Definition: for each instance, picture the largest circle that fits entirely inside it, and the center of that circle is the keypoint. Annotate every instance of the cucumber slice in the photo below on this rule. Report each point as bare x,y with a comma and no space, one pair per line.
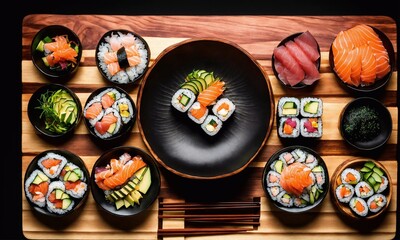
365,169
199,85
369,165
378,171
191,87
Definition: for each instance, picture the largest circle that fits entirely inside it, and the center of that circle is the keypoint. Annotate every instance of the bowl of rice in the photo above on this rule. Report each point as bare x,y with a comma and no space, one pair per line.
122,56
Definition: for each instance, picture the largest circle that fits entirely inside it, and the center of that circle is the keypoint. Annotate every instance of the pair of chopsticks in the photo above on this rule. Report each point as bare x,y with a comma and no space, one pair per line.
209,218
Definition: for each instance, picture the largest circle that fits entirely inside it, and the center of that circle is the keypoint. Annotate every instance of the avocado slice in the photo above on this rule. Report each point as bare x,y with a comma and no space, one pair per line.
40,46
144,185
311,107
66,202
119,203
288,105
73,177
278,166
59,193
130,200
140,173
112,127
317,169
37,180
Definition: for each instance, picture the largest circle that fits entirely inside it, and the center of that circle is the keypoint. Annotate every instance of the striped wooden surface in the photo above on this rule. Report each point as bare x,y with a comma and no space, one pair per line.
256,34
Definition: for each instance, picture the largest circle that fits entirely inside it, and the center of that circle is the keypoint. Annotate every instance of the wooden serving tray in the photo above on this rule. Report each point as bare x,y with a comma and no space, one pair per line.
256,34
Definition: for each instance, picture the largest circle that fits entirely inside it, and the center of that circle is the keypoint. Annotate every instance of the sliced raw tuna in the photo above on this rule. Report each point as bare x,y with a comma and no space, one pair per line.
306,64
308,44
291,70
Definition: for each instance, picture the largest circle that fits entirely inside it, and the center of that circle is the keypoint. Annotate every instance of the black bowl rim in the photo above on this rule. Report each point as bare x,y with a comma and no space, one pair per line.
377,86
157,175
321,162
130,123
299,85
81,164
125,31
78,58
272,105
366,100
33,120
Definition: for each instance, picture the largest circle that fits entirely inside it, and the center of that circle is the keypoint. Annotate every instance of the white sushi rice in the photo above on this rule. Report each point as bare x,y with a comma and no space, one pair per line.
124,75
196,105
282,102
285,199
380,204
274,192
363,194
78,191
50,206
275,174
118,126
223,114
306,100
311,161
305,133
98,117
124,100
347,198
354,172
353,206
287,158
175,101
209,128
299,155
57,169
41,202
296,130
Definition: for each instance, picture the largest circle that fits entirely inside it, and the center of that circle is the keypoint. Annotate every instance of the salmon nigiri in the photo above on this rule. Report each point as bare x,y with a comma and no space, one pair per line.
208,96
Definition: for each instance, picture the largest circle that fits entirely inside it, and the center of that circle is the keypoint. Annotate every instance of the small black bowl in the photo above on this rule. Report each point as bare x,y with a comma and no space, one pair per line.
301,84
324,186
71,158
51,32
148,198
38,120
136,72
378,86
125,127
384,118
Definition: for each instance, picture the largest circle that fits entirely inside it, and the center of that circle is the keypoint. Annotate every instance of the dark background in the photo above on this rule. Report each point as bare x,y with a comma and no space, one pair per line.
11,180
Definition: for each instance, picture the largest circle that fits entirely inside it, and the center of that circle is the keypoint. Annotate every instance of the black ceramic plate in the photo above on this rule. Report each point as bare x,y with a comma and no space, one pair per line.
378,85
321,163
385,121
287,39
147,199
125,127
52,31
34,113
71,157
178,143
141,70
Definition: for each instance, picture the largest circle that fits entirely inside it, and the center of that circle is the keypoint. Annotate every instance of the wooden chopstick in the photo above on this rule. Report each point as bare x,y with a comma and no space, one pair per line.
182,208
180,204
199,231
210,216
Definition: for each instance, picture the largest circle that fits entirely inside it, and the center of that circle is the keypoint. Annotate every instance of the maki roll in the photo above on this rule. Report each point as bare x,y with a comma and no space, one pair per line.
183,99
36,187
211,125
289,127
344,192
278,165
288,107
311,107
273,179
350,176
58,201
93,111
363,190
74,180
359,206
311,161
108,97
383,185
52,164
287,157
197,113
285,199
311,127
274,192
125,108
376,202
224,108
109,124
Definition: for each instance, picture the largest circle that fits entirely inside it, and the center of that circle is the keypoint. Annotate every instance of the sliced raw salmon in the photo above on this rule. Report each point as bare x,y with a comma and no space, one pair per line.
93,111
107,101
103,125
295,177
50,162
368,65
210,94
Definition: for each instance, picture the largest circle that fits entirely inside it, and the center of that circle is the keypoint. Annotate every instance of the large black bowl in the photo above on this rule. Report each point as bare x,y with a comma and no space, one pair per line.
294,209
38,121
179,144
148,198
52,31
385,122
71,157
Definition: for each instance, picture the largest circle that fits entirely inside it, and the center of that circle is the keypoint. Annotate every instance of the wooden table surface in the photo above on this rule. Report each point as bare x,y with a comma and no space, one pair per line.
256,34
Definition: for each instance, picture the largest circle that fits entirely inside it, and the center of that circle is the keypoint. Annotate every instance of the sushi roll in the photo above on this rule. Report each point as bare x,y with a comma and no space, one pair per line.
109,125
36,187
183,99
197,113
319,175
93,111
311,107
350,176
109,96
359,206
311,161
299,202
125,108
278,165
273,179
383,185
285,199
57,200
52,164
363,190
344,192
74,180
376,202
274,192
287,157
298,155
289,127
311,127
223,109
211,125
288,107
